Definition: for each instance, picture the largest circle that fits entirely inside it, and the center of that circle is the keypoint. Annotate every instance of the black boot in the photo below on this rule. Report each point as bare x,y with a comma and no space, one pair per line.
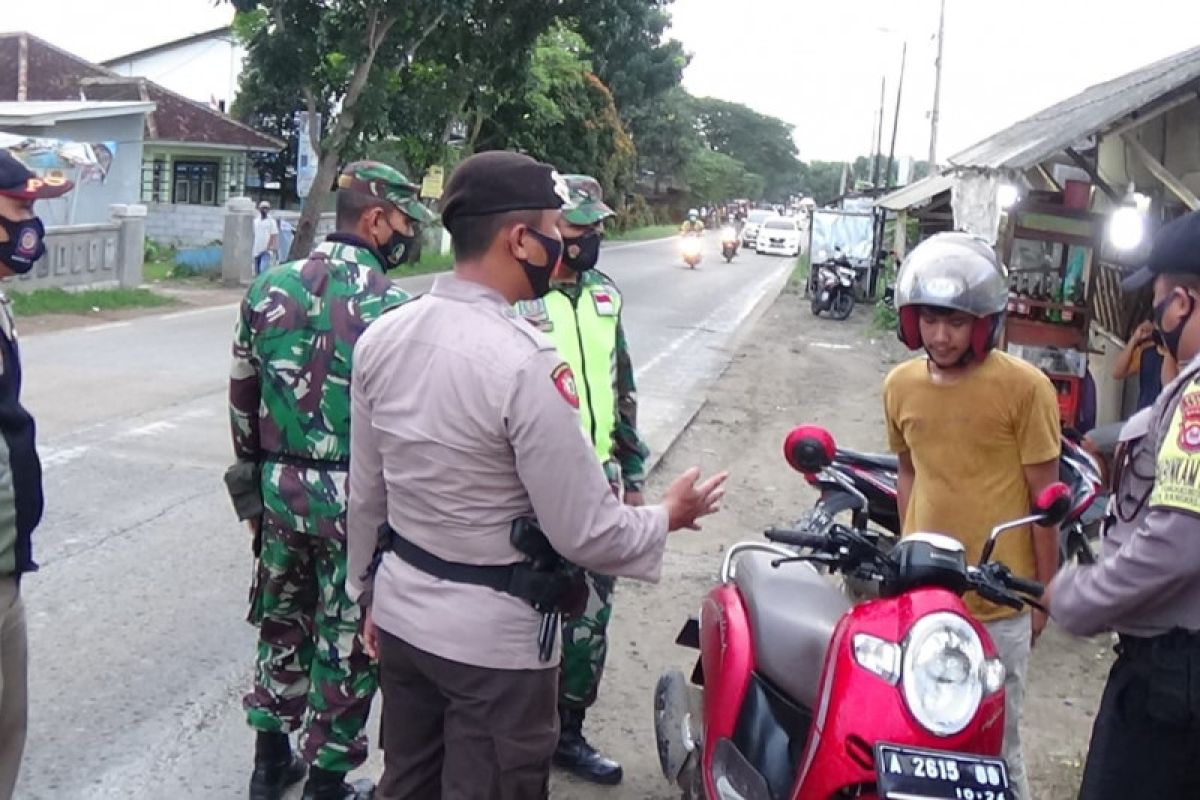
575,755
275,768
325,784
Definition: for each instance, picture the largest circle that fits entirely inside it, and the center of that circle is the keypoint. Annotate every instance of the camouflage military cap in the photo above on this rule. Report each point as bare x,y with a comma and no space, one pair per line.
380,180
587,201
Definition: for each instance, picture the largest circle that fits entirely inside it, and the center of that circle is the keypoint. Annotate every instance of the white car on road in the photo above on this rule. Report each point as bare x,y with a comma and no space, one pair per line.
753,220
780,236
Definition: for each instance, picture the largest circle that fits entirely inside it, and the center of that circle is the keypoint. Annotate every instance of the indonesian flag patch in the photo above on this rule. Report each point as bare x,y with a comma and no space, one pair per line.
605,306
564,381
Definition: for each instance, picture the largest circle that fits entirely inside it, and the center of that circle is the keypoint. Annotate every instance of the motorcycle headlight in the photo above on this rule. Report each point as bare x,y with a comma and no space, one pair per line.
943,673
728,234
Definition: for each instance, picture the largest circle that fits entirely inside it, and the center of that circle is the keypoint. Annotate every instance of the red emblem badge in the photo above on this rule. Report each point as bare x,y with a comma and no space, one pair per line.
1189,430
564,381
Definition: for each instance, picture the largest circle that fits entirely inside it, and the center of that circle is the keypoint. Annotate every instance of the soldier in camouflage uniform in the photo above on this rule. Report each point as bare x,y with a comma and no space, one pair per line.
582,314
289,400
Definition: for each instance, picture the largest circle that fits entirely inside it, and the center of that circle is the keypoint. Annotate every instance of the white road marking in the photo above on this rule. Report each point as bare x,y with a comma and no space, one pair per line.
608,248
51,457
830,346
731,312
146,430
104,326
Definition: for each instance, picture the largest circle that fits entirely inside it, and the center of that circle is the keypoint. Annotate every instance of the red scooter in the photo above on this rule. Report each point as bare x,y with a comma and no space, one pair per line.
798,695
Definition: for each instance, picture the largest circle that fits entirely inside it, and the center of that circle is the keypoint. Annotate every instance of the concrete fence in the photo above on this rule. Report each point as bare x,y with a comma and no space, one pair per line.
237,239
105,255
183,225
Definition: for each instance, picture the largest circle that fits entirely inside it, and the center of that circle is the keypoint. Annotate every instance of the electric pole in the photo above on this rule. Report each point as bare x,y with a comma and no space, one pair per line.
887,176
877,150
937,91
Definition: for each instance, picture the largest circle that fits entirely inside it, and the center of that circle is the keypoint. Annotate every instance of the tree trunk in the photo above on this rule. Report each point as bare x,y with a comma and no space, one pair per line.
306,228
340,133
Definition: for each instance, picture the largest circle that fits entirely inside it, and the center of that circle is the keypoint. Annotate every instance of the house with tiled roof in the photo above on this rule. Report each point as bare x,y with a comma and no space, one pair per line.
194,157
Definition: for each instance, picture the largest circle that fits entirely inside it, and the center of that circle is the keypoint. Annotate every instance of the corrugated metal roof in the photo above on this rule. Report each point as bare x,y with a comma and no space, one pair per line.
916,194
1050,131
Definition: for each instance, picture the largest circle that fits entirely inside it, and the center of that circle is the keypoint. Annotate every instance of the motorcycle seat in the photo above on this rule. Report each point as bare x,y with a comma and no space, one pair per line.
869,460
793,611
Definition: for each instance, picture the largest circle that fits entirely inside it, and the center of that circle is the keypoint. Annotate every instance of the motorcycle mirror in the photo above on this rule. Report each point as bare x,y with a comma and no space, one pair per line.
809,449
1050,508
1053,504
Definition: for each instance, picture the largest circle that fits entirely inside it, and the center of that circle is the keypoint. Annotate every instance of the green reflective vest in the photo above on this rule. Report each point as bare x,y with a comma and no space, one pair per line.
584,330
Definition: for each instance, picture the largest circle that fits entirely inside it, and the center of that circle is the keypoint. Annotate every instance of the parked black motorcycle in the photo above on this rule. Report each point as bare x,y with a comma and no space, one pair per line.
833,287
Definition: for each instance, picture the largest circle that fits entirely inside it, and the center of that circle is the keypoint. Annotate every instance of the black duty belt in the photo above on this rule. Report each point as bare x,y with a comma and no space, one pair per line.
493,576
305,462
548,587
1178,639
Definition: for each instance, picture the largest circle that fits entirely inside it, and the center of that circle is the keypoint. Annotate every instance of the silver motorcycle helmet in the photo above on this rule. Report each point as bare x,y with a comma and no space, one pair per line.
955,271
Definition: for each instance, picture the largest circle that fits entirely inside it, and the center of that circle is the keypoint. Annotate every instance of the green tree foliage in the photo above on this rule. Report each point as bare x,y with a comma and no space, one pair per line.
761,142
567,116
338,58
714,177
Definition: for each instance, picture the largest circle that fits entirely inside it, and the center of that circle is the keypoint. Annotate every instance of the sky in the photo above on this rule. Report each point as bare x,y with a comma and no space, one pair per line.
814,63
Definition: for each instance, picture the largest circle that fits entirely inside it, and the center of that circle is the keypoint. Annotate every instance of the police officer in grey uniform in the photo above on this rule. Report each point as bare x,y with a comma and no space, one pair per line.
1146,587
465,435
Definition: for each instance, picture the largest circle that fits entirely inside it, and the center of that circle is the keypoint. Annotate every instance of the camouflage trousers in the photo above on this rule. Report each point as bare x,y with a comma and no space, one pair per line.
312,673
585,645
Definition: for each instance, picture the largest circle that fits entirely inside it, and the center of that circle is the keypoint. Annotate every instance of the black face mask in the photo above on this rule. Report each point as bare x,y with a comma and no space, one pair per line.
586,251
397,250
1170,339
25,244
539,275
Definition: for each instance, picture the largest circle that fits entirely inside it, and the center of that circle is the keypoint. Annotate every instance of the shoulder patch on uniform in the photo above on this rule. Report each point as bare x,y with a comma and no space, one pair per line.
1188,412
564,382
1177,472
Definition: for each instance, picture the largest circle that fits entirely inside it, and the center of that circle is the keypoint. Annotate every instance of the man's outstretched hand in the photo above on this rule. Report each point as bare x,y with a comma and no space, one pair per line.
688,501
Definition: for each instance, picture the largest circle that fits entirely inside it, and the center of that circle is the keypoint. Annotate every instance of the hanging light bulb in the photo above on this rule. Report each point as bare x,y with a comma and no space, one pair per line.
1127,225
1007,195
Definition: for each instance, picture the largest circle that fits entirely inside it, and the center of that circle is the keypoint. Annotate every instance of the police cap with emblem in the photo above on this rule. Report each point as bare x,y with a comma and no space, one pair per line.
499,181
17,181
1176,250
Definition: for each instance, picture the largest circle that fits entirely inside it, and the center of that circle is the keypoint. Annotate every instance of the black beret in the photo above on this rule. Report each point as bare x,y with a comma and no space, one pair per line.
1176,250
498,181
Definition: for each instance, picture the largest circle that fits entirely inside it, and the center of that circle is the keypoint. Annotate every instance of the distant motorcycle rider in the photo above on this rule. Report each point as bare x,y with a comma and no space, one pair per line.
692,224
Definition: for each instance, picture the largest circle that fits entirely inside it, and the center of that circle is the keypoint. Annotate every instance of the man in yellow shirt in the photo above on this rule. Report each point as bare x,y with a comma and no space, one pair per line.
977,434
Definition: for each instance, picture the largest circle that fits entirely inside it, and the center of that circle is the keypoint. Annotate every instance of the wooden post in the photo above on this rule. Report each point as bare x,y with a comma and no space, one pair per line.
1164,175
900,242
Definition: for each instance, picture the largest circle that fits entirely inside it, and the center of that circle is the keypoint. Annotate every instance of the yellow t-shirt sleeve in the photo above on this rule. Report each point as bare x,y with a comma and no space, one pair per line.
1177,471
895,435
1039,431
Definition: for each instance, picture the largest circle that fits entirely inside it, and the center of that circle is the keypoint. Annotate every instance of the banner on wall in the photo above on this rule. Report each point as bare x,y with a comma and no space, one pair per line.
89,161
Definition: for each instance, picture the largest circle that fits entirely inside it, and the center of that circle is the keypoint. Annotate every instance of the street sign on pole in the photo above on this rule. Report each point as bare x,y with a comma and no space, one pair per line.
306,156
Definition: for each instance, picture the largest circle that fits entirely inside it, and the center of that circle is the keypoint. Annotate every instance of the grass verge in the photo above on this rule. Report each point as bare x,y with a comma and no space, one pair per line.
430,262
57,301
642,234
799,275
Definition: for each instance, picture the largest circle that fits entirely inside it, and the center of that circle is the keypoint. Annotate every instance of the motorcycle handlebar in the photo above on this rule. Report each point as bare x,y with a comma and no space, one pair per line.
999,596
798,538
1028,587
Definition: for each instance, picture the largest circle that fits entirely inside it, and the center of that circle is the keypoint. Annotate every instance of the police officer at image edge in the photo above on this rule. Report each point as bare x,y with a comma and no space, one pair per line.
463,427
1146,585
21,491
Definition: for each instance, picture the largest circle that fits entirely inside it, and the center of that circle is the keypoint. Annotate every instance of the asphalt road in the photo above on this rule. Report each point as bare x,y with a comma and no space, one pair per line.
138,649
